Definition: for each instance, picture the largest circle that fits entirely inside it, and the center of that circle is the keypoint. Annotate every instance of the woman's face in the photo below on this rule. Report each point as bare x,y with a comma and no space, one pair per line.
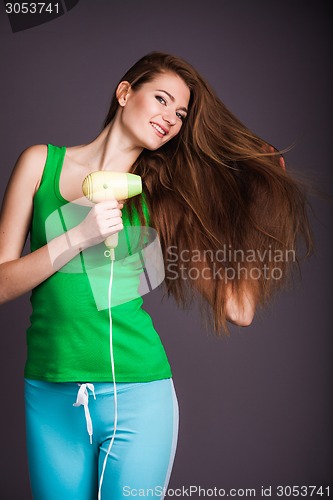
154,114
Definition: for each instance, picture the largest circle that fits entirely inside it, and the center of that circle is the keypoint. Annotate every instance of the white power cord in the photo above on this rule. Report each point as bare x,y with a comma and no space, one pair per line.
112,257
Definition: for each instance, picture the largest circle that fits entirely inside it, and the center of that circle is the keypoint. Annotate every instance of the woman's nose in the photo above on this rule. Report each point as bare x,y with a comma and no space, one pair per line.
169,117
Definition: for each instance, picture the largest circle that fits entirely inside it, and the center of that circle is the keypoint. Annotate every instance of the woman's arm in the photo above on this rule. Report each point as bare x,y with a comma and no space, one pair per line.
239,307
19,275
240,310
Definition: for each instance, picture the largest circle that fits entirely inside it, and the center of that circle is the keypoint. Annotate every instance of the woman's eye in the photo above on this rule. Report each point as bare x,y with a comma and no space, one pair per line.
160,99
164,102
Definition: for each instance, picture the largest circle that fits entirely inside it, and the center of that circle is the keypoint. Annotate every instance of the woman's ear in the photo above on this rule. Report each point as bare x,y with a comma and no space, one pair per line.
122,92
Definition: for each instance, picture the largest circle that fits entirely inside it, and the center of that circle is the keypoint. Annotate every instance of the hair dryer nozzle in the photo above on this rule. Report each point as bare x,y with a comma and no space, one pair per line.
134,184
105,185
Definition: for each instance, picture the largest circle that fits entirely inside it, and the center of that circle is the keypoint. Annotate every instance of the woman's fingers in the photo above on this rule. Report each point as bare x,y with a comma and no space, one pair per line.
282,163
268,148
103,220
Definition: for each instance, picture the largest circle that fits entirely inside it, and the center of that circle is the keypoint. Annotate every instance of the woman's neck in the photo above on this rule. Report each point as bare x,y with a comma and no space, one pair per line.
111,150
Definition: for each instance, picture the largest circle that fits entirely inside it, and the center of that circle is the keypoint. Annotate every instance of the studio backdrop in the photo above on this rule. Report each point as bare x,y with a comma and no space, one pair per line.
255,407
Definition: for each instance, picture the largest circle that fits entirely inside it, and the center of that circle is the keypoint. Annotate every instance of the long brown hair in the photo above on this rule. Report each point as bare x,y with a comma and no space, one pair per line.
223,206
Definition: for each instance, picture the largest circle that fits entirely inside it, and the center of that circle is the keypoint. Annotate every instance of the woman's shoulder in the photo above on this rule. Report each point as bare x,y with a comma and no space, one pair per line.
35,154
30,164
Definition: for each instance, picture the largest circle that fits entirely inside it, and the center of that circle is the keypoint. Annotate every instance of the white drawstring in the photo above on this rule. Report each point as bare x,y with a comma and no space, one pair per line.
83,399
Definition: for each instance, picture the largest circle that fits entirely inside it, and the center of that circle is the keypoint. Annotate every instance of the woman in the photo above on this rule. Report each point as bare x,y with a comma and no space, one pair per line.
209,184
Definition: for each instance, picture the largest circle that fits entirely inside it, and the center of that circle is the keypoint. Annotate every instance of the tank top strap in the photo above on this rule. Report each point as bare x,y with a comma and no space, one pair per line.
52,169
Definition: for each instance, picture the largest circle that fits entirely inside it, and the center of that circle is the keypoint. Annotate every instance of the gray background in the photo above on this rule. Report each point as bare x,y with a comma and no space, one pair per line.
256,408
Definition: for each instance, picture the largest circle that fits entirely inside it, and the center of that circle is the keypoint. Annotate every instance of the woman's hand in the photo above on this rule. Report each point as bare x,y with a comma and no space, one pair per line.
103,220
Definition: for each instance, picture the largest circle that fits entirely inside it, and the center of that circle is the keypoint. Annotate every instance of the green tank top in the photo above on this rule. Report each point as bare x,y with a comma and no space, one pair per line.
68,339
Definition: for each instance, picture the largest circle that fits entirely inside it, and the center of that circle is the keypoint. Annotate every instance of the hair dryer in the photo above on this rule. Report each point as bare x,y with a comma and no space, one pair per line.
105,185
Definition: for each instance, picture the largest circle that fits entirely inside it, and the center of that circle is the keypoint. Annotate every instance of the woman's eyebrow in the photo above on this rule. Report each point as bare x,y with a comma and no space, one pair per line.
171,97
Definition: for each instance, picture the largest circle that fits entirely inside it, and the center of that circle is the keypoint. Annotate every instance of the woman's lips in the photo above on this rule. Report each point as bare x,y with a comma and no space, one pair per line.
161,131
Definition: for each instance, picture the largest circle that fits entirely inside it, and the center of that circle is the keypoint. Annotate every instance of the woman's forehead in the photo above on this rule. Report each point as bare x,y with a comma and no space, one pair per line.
170,83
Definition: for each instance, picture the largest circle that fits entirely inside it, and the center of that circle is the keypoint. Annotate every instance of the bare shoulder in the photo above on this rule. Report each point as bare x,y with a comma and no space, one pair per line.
30,165
34,156
17,204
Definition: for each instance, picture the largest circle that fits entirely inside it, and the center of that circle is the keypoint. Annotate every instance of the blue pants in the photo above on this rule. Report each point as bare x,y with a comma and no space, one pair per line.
64,465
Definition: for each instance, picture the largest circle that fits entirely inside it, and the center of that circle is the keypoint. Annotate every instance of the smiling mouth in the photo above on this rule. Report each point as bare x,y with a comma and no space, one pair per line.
162,132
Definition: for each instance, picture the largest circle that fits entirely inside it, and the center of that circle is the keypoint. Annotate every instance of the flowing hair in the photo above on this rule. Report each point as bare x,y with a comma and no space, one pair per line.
225,209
